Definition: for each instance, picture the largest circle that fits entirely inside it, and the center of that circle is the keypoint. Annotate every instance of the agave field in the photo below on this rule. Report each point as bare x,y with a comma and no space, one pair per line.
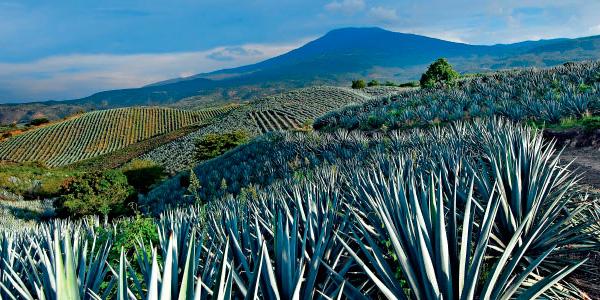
97,133
274,113
483,209
541,95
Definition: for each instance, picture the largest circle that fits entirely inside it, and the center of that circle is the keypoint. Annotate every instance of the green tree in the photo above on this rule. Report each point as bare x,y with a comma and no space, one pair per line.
373,83
213,145
94,193
439,73
358,84
38,122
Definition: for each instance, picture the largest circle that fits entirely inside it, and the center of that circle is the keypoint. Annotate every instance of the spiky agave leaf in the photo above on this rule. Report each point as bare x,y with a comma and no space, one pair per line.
410,214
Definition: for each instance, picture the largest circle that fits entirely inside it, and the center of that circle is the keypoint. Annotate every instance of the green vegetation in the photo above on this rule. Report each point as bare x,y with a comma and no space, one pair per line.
474,204
129,232
439,73
95,193
31,180
373,83
38,122
275,113
119,157
541,96
213,145
96,133
591,124
410,84
587,123
142,174
359,84
411,200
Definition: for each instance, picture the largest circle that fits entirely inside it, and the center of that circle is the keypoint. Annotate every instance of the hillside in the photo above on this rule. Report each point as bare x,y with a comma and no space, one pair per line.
96,133
334,59
460,193
275,113
541,97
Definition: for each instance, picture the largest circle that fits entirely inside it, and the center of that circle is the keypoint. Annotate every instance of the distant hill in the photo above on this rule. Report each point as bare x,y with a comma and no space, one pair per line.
334,59
98,132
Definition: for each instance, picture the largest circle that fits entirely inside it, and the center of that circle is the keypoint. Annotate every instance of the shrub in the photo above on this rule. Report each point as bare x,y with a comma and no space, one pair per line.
128,231
410,84
358,84
373,83
439,73
389,83
213,145
6,135
142,174
94,193
591,124
38,122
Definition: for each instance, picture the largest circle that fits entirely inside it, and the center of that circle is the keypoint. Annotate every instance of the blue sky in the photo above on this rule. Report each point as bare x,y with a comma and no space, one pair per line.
66,49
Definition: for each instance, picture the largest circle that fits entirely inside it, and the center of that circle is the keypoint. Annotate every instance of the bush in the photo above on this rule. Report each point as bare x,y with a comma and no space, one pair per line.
439,73
213,145
128,231
373,83
38,122
142,174
358,84
6,135
410,84
389,83
591,124
94,193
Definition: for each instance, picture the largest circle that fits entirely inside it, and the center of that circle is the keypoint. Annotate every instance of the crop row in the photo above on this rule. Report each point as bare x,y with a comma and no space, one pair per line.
274,113
537,95
472,211
96,133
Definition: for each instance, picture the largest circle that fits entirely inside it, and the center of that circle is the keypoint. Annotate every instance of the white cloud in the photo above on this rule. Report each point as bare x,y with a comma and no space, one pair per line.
383,15
346,7
594,30
79,75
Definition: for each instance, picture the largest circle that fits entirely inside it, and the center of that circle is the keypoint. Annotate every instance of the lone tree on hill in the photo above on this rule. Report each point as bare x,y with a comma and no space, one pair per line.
441,73
358,84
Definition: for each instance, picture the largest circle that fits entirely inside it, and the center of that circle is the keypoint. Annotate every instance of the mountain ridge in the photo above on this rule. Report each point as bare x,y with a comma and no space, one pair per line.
333,59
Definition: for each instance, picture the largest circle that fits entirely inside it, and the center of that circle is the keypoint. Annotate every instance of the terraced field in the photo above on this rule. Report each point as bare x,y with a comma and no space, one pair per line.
274,113
97,133
271,120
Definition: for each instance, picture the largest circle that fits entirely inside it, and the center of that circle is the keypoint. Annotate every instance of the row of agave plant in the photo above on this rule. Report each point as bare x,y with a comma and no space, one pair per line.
540,95
475,211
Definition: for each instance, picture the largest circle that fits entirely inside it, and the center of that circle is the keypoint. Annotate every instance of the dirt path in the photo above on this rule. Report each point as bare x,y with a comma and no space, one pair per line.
586,161
583,150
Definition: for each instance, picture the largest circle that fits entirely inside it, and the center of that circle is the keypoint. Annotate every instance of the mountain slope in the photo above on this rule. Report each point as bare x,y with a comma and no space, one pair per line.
334,59
96,133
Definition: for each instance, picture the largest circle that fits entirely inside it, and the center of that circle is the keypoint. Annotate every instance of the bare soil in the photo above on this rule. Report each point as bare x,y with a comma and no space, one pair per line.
582,150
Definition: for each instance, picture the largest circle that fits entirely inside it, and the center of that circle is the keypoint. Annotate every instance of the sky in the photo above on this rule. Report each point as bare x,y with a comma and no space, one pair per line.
67,49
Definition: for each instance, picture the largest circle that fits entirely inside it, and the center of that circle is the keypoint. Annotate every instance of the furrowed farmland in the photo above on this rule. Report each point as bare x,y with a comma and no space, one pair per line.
97,133
290,110
452,191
